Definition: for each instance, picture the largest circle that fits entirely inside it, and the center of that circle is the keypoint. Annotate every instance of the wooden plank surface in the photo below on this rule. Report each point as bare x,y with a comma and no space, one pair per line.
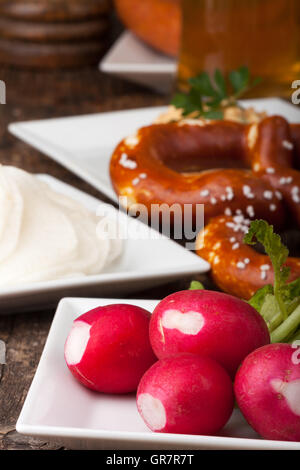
33,95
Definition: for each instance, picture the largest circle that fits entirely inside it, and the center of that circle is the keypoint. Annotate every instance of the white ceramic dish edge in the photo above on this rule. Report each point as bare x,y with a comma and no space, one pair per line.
90,438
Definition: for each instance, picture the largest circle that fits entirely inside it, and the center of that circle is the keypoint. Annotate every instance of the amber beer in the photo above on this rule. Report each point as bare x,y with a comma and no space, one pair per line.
262,34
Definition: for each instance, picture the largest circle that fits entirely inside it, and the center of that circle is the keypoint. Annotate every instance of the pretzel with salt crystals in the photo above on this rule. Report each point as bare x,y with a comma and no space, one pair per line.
237,268
257,178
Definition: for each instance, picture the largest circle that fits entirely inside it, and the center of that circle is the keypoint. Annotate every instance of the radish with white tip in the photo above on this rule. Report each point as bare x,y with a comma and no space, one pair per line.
108,348
185,394
267,389
208,323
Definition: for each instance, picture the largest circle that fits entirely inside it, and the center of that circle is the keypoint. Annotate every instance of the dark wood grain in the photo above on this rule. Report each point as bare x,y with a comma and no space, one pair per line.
53,10
32,95
35,31
53,34
51,55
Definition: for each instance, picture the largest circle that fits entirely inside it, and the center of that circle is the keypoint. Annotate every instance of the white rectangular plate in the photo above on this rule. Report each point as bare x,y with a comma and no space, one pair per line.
84,144
133,60
147,261
59,409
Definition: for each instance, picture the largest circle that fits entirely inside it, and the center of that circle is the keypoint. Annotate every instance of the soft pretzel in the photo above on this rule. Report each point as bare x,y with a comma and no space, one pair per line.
236,268
258,179
160,164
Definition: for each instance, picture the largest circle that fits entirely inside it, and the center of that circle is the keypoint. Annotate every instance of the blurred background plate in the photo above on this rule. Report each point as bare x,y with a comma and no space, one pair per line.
133,60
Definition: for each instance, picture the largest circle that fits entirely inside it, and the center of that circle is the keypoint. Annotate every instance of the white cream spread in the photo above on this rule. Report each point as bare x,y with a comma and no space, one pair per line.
45,235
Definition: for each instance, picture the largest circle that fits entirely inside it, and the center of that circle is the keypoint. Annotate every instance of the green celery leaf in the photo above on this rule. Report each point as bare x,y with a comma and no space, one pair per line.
276,250
281,311
196,285
286,328
271,312
291,290
295,337
258,298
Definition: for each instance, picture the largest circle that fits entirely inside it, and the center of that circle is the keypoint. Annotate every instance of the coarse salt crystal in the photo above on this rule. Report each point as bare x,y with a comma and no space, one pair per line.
268,194
135,181
126,162
263,275
247,192
296,198
287,145
265,267
286,180
250,211
240,265
238,212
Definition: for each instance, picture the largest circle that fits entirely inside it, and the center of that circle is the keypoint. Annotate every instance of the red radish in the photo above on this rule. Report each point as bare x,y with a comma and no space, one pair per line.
108,348
267,389
207,323
185,394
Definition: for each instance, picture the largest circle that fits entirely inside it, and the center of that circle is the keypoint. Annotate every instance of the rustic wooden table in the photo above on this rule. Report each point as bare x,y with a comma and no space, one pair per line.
38,95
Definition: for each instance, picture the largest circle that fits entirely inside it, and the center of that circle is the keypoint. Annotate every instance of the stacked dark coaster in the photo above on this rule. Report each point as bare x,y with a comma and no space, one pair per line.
53,33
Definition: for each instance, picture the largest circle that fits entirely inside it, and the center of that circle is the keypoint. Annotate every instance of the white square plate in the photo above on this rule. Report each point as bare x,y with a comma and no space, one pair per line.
84,144
59,409
150,260
133,60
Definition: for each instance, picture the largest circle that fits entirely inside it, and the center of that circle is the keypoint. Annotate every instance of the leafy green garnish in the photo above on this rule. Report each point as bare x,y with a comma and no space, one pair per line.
196,285
279,304
278,253
209,97
290,325
258,298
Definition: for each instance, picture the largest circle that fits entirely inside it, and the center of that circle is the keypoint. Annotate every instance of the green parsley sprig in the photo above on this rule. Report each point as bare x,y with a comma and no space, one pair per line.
208,97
